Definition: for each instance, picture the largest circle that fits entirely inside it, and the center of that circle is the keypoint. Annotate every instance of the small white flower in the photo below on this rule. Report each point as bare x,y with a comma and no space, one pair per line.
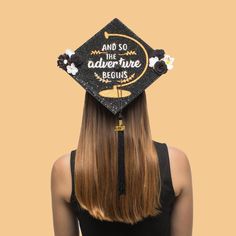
71,69
152,61
169,61
69,52
65,61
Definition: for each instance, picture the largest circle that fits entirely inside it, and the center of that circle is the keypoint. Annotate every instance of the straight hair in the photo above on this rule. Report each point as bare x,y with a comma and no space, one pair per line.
96,163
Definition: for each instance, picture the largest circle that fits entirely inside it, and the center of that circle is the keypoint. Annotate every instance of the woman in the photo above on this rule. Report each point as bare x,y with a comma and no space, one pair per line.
158,200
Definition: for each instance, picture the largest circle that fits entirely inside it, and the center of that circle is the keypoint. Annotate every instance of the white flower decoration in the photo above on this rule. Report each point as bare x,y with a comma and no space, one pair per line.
69,52
65,61
152,61
169,61
71,69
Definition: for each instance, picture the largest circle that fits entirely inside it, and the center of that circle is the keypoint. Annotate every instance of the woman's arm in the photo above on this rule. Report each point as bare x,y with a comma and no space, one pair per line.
64,221
182,214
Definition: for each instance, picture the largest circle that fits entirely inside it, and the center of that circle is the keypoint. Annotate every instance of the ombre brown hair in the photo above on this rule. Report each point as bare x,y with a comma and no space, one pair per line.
96,165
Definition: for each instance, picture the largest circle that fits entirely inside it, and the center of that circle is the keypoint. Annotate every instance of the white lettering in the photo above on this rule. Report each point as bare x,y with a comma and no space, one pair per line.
111,64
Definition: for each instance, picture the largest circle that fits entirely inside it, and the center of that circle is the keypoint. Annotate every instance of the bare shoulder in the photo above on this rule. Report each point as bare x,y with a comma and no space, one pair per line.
180,169
61,176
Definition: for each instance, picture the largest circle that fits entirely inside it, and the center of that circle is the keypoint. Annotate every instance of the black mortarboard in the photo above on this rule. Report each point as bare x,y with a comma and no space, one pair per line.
115,66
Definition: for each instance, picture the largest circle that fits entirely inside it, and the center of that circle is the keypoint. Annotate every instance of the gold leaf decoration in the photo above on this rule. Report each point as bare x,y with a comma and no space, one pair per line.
127,80
101,79
128,53
97,52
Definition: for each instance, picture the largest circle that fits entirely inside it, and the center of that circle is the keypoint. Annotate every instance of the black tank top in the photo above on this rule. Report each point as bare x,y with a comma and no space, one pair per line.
149,226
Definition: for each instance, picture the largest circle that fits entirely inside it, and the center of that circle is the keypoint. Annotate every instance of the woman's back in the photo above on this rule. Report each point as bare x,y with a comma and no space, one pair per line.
176,199
158,225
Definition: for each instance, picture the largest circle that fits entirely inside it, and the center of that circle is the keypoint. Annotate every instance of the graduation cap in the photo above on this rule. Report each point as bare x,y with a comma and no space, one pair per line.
115,66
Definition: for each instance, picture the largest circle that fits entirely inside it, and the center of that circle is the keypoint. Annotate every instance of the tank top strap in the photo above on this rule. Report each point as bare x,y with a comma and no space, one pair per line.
164,163
72,166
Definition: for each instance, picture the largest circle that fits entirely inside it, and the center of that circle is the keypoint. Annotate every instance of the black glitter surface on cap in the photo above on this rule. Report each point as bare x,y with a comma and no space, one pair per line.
114,58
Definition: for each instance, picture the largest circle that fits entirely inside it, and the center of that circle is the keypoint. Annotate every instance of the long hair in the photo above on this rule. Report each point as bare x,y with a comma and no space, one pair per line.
96,165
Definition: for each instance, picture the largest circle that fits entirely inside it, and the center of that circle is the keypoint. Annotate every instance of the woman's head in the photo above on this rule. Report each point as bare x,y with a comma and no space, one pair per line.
97,163
98,118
